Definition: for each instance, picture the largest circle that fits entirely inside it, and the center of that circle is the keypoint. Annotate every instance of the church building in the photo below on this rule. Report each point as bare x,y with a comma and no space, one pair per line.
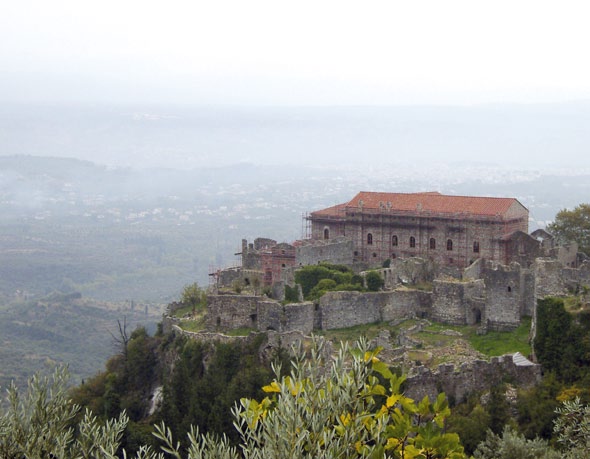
450,230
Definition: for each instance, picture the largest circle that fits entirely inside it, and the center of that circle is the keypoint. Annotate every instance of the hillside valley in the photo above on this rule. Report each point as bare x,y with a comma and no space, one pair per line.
122,236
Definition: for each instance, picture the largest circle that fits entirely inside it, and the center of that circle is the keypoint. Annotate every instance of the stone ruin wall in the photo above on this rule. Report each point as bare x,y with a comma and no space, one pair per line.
476,376
226,312
504,296
458,303
347,309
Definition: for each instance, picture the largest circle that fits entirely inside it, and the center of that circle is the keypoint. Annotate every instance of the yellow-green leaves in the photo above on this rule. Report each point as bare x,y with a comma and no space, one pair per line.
353,409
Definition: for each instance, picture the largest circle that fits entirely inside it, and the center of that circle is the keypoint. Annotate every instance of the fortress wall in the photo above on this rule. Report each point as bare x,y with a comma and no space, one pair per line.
269,316
346,309
406,303
476,376
299,317
338,251
235,311
503,300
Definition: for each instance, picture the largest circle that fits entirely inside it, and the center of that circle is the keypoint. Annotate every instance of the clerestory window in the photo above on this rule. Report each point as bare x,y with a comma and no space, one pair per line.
412,242
369,239
432,243
449,244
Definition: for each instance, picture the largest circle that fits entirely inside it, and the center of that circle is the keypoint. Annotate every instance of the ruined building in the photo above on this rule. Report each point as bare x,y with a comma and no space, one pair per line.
449,230
474,251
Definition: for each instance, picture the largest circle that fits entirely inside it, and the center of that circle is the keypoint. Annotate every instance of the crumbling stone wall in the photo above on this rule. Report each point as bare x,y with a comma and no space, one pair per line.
476,376
458,303
548,278
521,248
225,312
504,296
346,309
403,303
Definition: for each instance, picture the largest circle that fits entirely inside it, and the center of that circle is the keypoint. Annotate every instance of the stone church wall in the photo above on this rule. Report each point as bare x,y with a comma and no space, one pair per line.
336,251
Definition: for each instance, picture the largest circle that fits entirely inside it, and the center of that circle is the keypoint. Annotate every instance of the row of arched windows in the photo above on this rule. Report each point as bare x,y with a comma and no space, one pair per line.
432,243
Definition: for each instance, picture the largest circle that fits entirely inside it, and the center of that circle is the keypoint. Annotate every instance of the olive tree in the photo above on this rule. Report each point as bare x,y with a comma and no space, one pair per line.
351,406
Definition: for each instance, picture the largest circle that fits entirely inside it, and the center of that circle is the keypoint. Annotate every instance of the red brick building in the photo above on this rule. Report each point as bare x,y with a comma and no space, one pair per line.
450,230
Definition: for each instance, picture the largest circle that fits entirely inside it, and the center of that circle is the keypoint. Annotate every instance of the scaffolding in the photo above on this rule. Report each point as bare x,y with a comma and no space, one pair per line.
305,226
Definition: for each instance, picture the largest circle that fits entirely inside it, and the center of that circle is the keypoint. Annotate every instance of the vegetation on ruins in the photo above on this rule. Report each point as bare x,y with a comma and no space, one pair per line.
315,280
194,297
573,226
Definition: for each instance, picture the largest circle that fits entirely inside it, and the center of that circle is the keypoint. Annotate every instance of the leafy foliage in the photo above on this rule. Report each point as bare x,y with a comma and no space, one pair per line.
573,226
558,344
40,424
203,396
572,427
291,294
354,410
512,445
374,281
347,407
315,280
194,296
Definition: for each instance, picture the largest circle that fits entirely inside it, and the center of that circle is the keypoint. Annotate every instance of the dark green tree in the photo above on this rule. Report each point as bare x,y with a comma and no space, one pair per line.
498,408
193,295
573,226
558,343
374,281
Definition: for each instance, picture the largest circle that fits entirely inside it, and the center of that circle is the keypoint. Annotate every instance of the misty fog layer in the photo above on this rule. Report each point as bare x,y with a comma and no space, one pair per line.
526,136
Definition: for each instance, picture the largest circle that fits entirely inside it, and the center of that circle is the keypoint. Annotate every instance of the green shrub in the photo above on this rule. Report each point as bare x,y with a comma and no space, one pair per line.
374,281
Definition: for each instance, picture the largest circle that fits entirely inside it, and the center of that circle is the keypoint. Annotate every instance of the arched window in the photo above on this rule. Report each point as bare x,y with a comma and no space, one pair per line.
394,241
476,247
432,243
449,244
326,233
369,239
412,242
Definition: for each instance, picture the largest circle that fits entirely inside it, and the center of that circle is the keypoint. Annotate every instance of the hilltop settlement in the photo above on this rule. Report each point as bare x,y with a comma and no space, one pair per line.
457,260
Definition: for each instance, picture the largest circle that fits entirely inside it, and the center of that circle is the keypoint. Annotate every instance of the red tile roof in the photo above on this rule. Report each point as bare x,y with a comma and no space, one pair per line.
334,211
433,202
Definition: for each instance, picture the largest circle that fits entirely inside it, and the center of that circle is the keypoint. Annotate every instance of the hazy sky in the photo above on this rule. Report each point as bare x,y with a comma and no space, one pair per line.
296,52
